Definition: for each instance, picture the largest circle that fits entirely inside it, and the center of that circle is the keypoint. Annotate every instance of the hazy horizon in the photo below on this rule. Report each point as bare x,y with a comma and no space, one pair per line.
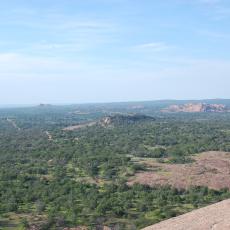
98,51
110,102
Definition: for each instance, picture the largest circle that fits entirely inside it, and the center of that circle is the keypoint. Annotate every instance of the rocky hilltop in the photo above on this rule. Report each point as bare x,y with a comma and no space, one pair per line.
196,108
124,119
111,121
214,216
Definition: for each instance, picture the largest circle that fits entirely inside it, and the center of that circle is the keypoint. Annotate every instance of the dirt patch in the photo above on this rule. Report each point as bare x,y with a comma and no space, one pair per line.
50,137
80,126
13,123
211,169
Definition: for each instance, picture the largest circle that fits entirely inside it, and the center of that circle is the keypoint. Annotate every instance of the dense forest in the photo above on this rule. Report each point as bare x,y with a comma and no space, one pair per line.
51,178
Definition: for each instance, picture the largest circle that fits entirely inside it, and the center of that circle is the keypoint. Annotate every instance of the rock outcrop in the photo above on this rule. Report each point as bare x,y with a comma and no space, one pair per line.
111,121
212,217
124,119
196,108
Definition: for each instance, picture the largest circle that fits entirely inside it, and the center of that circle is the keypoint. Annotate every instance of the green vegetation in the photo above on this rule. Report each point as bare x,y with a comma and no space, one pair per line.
79,177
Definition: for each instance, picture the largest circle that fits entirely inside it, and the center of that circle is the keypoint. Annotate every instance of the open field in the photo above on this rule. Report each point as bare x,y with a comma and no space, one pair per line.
211,169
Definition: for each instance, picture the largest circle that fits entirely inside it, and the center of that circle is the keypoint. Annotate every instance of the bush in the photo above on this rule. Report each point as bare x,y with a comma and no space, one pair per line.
181,160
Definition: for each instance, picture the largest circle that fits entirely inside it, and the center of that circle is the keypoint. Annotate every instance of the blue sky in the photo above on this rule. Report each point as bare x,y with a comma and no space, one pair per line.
76,51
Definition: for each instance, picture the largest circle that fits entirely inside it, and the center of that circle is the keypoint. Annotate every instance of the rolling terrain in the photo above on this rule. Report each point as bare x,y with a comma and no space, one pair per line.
111,166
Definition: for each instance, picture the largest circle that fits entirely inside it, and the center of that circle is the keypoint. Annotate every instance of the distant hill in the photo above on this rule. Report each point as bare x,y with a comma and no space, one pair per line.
124,119
197,108
113,120
44,105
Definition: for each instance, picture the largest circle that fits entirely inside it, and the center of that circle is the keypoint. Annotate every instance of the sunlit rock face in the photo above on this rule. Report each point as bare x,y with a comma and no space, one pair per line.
215,216
197,108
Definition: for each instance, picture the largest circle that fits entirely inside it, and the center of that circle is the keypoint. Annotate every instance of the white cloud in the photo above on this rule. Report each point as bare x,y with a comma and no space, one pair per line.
153,46
28,79
15,64
210,1
214,34
222,13
219,9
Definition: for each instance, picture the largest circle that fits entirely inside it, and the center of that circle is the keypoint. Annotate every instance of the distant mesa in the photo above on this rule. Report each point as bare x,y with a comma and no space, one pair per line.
137,107
44,105
197,108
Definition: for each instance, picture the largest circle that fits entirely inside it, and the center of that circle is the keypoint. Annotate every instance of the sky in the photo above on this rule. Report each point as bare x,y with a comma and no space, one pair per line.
79,51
